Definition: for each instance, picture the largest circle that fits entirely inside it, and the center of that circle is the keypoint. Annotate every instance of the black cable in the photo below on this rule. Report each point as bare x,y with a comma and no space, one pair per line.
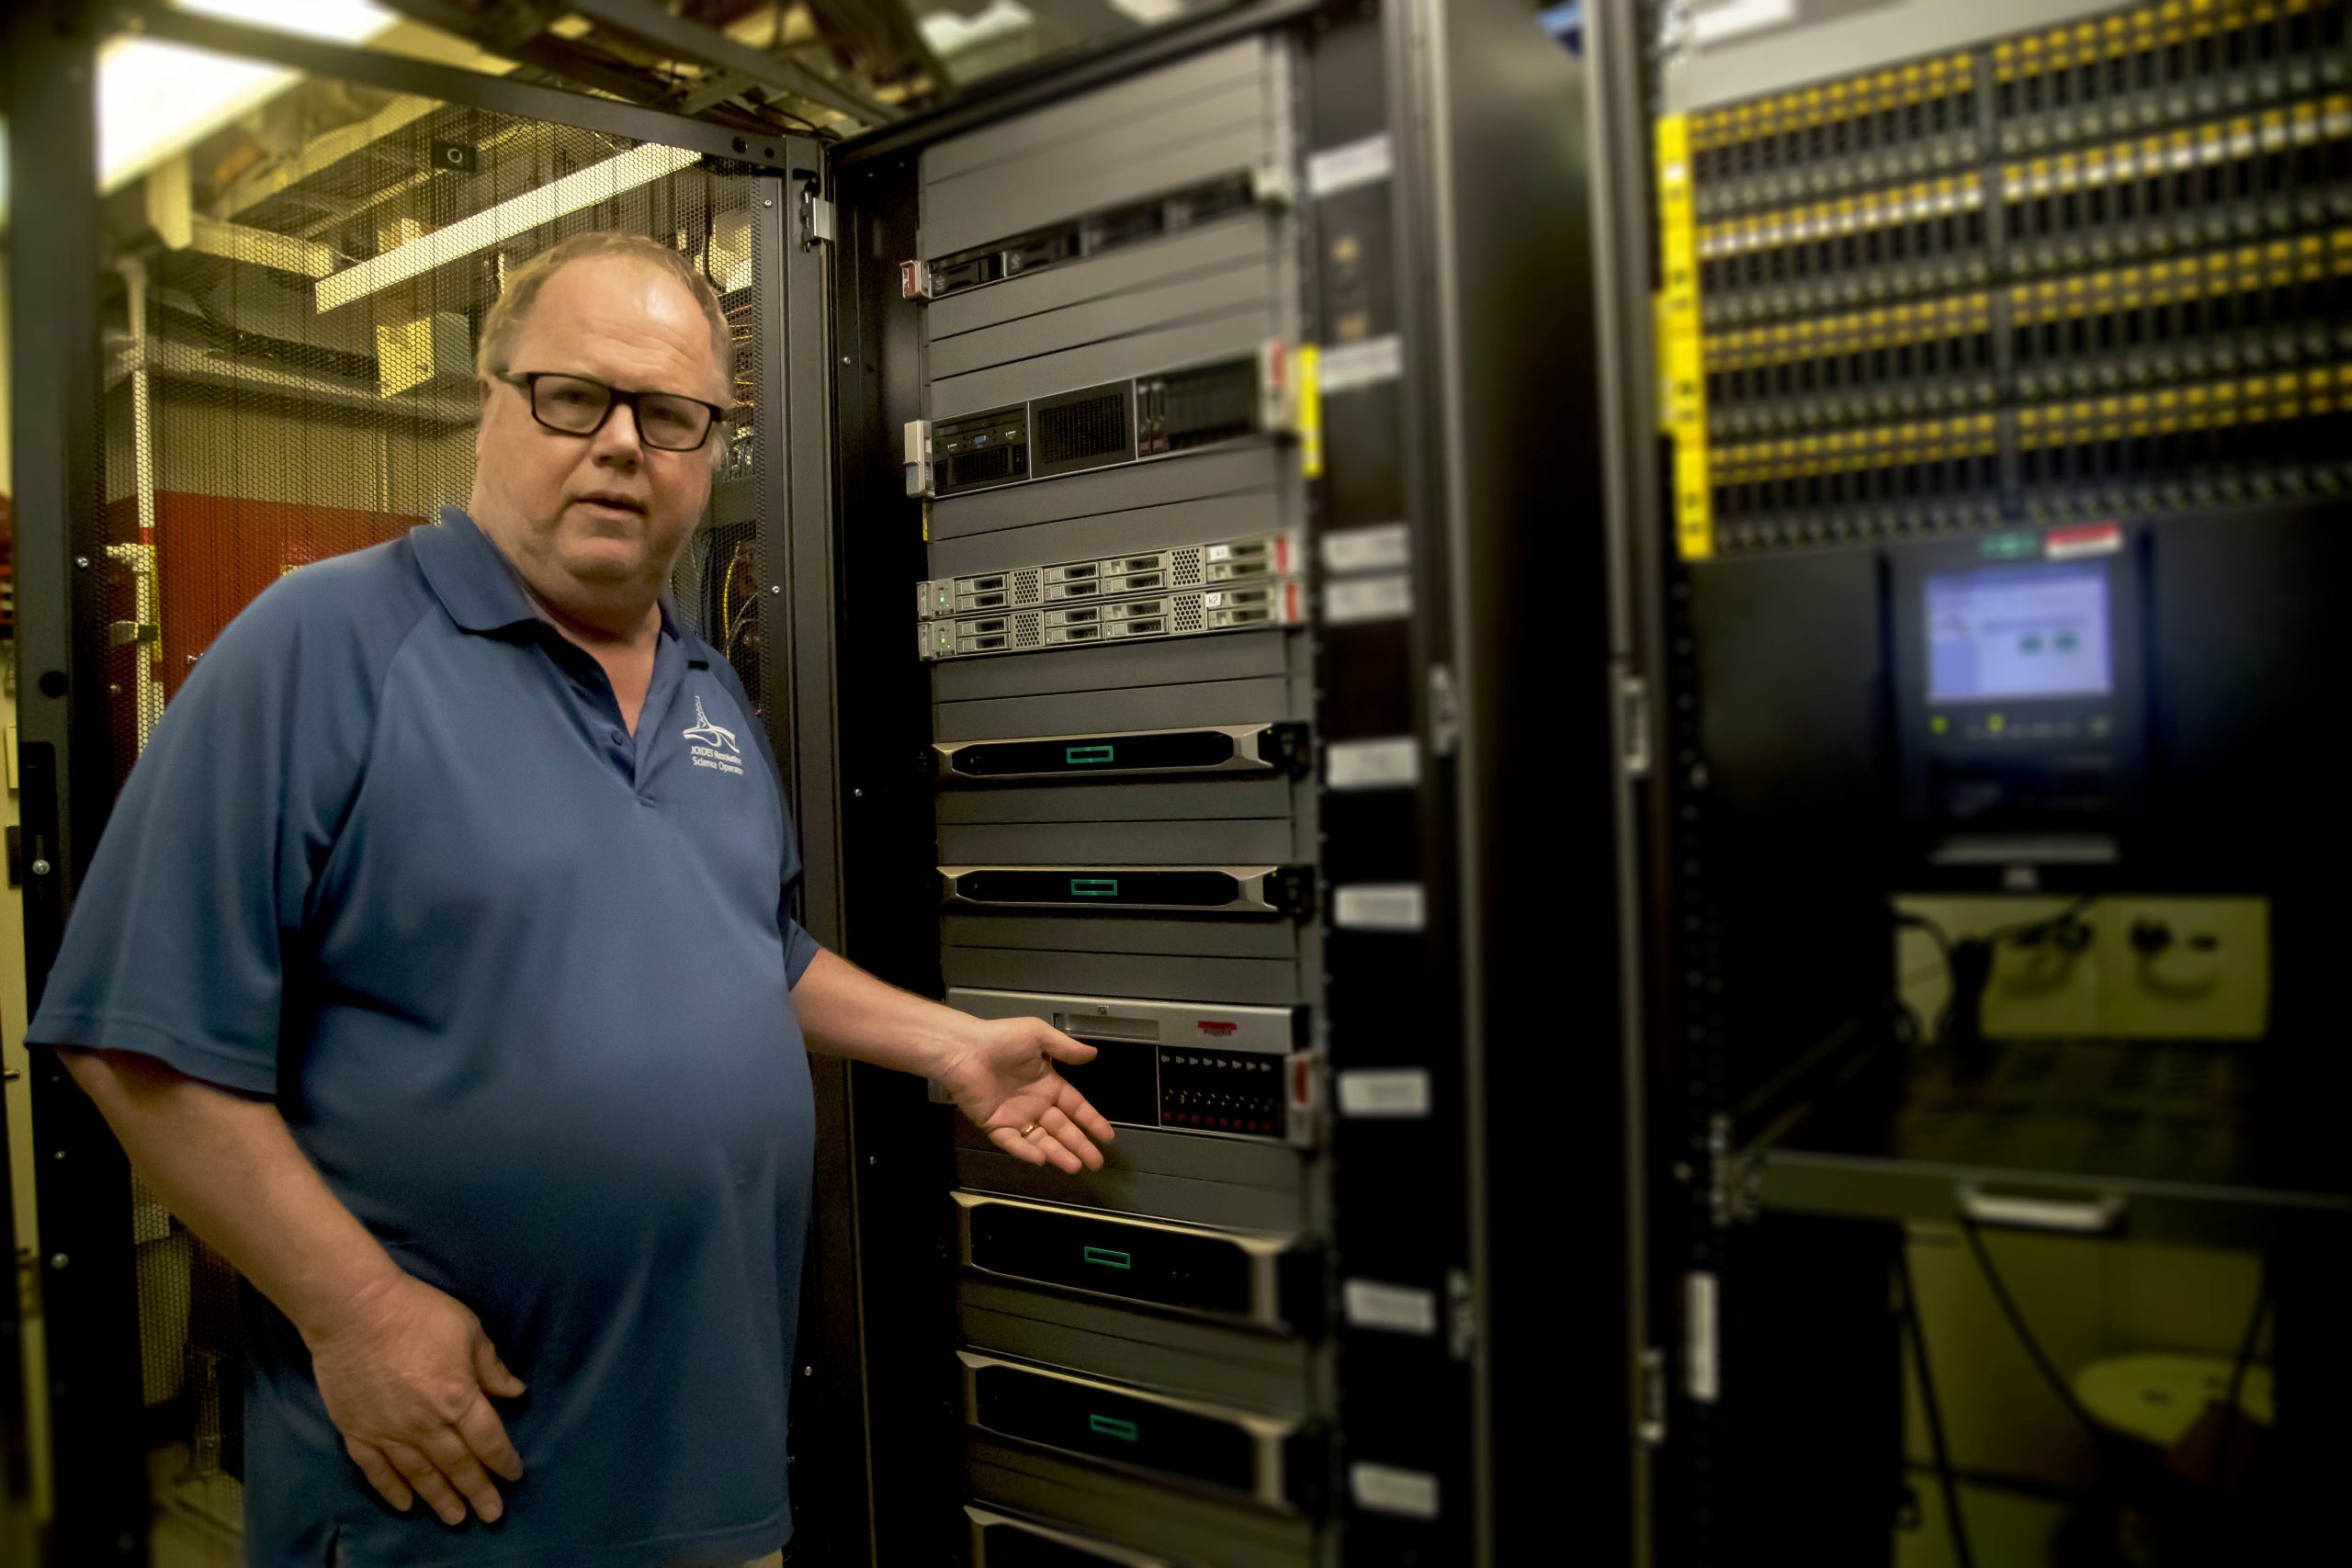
1929,1407
2226,1439
2058,1385
1968,970
2031,931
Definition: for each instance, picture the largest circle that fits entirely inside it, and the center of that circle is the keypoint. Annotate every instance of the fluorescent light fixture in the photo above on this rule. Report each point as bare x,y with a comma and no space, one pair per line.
948,33
493,225
157,100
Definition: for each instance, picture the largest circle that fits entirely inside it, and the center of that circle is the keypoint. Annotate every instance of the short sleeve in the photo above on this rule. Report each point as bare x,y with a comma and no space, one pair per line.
801,948
180,937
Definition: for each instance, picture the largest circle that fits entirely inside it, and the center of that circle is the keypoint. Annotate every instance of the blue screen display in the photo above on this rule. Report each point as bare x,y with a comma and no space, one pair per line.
2020,632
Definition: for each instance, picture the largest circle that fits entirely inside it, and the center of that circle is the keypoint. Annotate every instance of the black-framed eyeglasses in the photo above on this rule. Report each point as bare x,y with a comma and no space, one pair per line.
579,405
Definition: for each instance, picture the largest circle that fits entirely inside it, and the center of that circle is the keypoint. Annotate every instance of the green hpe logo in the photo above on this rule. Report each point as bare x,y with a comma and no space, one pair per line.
1094,887
1112,1426
1086,756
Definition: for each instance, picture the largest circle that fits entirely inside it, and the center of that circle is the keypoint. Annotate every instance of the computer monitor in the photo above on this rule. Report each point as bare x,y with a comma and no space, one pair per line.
2017,693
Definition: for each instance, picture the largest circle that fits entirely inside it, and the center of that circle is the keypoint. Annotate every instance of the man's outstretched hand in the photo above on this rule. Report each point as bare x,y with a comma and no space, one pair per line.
407,1373
1001,1074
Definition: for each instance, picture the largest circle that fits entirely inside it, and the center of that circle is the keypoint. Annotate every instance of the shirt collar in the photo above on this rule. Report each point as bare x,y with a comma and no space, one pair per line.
480,590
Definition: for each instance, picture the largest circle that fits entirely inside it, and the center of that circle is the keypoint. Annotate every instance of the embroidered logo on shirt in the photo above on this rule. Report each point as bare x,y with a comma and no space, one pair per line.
715,744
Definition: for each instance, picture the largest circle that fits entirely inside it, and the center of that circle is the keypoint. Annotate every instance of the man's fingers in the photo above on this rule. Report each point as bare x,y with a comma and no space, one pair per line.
380,1473
491,1373
448,1450
429,1483
1082,1111
1062,1048
1019,1147
485,1434
1048,1141
1069,1140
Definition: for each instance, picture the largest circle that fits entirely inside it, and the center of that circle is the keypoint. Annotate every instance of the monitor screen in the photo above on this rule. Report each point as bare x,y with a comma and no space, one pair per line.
2019,632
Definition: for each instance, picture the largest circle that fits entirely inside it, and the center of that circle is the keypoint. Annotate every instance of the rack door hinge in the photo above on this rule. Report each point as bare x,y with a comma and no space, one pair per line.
816,212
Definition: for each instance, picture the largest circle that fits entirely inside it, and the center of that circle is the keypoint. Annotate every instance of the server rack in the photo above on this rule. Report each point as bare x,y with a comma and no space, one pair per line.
1953,298
1310,317
1217,461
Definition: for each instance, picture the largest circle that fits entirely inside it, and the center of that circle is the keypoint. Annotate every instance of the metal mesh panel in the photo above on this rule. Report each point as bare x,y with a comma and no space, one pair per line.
254,422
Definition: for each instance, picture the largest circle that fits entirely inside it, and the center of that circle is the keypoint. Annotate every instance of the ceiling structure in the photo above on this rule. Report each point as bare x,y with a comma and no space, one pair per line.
270,225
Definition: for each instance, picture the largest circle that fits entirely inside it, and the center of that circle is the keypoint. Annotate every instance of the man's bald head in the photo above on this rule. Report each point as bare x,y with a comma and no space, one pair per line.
504,323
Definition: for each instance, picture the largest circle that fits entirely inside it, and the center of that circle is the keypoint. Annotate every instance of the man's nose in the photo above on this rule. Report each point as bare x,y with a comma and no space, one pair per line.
618,440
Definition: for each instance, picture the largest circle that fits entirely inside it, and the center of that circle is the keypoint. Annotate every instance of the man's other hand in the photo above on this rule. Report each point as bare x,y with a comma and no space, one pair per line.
407,1374
1001,1074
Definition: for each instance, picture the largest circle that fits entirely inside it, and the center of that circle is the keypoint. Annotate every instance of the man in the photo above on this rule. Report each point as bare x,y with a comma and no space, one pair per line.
435,968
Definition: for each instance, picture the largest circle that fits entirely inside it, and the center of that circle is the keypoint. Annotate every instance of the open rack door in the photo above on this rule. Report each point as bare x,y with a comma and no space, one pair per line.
208,404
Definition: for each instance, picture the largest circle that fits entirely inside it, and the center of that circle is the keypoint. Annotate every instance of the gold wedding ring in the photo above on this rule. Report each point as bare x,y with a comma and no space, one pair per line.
1029,1129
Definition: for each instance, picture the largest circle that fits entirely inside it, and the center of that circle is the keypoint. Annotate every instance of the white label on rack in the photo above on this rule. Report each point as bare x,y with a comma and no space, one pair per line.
1395,1307
1729,18
1384,1092
1383,547
1702,1379
1348,166
1385,907
1359,599
1373,764
1348,365
1384,1489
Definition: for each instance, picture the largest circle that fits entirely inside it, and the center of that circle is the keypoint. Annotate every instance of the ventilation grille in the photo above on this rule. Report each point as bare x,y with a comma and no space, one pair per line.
1184,567
1188,613
1024,586
1076,431
1029,629
983,466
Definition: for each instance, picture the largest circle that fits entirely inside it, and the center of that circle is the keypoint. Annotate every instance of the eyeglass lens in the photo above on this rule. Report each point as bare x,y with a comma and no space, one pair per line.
577,405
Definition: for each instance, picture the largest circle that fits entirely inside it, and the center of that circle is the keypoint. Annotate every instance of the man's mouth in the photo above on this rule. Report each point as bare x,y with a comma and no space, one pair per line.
614,502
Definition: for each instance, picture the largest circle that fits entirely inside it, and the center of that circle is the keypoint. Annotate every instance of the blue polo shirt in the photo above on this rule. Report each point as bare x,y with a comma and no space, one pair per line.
521,984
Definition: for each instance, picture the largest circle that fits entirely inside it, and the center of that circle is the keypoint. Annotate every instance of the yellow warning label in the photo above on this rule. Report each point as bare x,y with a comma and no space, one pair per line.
1681,365
1310,411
